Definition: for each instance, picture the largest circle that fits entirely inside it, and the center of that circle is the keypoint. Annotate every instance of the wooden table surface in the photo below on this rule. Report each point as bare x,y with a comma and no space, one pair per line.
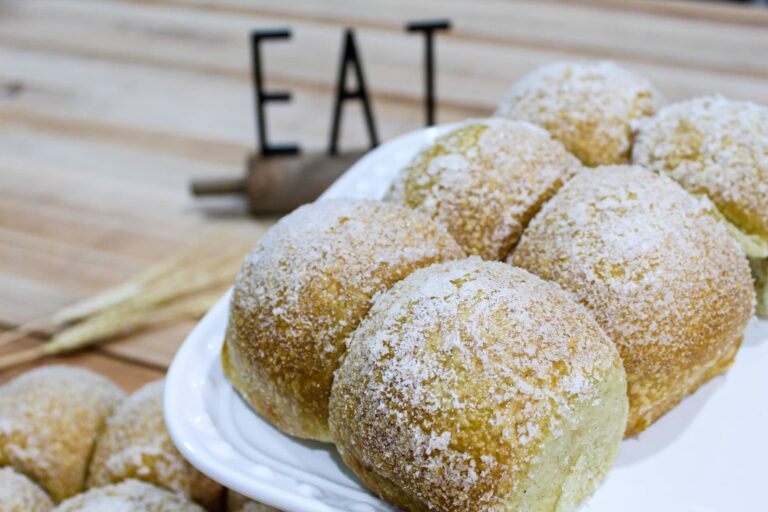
109,108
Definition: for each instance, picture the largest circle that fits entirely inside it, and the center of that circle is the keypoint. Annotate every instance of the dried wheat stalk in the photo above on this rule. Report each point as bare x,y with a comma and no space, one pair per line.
198,258
184,286
110,324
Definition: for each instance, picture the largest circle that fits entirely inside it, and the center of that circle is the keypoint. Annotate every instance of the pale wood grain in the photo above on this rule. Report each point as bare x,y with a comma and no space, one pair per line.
505,38
95,214
127,374
696,35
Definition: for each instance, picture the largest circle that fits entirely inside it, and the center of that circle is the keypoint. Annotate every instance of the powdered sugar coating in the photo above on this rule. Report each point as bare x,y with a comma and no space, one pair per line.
49,419
484,181
128,496
19,494
591,107
459,377
135,445
304,287
656,268
713,146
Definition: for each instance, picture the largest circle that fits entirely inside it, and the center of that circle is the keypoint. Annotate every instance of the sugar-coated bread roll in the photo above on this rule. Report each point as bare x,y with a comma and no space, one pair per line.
717,147
20,494
49,419
591,107
128,496
484,181
304,287
658,271
474,386
135,445
239,503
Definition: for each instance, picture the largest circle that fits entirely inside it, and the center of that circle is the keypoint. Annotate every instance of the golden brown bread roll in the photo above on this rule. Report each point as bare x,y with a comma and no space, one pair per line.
591,107
135,445
20,494
304,287
239,503
473,386
658,271
484,181
128,496
717,147
49,419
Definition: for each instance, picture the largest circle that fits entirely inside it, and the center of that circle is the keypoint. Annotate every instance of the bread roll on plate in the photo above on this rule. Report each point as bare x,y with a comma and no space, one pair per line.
719,148
305,287
658,271
484,180
473,386
591,107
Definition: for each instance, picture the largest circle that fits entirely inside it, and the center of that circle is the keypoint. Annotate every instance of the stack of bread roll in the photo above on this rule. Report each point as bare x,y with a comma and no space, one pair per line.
71,441
533,288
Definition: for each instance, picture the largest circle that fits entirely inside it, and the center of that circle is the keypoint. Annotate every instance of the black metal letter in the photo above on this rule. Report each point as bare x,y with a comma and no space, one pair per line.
350,56
261,96
429,27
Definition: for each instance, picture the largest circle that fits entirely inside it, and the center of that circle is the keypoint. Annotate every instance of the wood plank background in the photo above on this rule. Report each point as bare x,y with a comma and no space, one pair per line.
109,108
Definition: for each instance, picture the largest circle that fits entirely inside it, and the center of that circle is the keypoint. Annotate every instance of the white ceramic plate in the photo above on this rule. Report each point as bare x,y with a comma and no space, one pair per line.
707,455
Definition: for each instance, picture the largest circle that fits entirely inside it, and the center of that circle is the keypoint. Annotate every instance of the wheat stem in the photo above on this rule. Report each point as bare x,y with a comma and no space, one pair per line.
24,330
108,325
184,263
22,356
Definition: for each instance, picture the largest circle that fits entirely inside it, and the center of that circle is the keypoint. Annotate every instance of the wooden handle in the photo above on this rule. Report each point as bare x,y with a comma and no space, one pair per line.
218,186
281,184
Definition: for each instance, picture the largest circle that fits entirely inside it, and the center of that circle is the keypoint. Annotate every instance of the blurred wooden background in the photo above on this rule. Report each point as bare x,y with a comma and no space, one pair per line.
108,108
